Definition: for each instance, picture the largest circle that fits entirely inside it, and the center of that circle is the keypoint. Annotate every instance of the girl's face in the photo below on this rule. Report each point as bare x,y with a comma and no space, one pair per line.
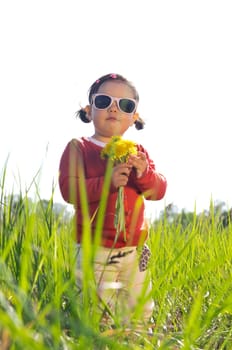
112,121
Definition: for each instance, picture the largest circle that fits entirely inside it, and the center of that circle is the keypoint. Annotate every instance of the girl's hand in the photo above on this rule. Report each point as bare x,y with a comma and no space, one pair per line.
120,174
139,162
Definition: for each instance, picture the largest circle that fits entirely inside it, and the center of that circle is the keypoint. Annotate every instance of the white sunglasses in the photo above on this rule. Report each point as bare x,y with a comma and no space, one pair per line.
103,101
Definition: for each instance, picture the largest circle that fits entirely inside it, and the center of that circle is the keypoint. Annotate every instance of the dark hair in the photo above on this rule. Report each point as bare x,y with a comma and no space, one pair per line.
139,123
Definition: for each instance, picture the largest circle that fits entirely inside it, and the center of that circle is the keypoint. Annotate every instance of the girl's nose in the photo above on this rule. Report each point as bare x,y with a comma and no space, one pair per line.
114,106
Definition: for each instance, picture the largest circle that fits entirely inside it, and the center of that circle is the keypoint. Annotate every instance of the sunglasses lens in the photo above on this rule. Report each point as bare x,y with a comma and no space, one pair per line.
126,105
102,101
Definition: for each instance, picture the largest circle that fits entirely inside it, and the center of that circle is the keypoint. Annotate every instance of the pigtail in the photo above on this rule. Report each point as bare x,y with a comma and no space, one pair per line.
82,114
139,122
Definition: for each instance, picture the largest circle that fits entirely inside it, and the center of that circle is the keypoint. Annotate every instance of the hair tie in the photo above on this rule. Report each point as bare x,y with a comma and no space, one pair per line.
113,76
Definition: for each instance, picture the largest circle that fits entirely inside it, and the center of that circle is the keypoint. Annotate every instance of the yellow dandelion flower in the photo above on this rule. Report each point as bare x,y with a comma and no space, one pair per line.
118,150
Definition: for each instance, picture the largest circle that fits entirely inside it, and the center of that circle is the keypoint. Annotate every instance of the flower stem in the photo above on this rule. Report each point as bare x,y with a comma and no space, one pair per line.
119,221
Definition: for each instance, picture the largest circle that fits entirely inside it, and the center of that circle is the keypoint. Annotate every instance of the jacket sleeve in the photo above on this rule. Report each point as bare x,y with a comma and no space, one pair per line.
72,182
151,184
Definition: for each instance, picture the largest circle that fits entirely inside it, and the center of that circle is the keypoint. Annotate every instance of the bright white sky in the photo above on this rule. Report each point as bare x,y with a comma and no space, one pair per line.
177,53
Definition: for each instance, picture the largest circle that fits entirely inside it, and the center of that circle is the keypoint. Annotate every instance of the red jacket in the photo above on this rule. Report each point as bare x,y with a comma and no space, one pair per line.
151,185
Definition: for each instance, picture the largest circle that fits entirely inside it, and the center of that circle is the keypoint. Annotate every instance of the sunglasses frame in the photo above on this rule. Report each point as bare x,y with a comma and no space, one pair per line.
117,99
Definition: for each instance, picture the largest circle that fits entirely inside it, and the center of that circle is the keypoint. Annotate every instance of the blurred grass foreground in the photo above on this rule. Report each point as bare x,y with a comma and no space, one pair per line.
39,300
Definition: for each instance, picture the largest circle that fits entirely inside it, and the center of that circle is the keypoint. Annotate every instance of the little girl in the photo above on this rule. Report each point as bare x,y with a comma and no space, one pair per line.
113,101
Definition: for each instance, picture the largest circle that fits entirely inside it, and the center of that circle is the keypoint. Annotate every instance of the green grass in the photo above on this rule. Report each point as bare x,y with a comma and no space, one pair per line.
40,304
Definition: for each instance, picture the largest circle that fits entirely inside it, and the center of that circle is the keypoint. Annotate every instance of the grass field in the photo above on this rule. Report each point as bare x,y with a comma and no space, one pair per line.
39,300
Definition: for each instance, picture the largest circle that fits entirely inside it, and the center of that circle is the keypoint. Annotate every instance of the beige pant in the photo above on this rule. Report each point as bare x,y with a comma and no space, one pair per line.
120,284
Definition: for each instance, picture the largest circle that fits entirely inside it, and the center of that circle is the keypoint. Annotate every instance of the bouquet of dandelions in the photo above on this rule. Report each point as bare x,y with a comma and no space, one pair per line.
118,151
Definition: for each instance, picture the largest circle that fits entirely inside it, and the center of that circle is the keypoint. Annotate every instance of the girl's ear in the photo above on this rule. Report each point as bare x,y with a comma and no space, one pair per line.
87,110
134,118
